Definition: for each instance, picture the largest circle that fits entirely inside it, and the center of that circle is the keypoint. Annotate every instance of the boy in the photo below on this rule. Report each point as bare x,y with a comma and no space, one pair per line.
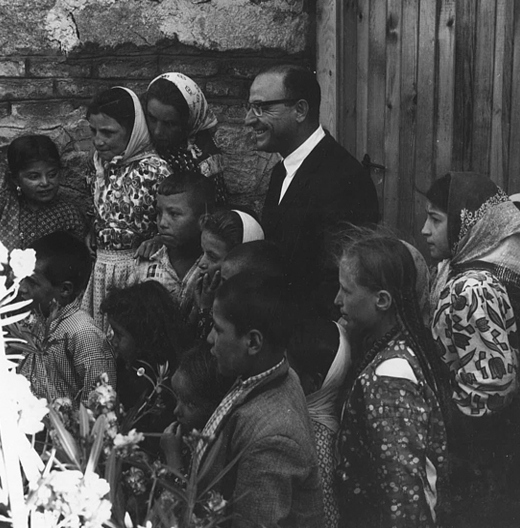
181,200
263,419
73,351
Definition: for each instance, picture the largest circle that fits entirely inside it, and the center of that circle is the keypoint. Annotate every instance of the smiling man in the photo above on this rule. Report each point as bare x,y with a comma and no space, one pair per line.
317,186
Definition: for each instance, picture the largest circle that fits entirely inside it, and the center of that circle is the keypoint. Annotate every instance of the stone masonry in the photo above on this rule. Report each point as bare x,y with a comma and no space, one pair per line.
56,54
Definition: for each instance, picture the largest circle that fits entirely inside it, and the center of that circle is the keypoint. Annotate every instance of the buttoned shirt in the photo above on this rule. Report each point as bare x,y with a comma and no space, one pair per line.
294,160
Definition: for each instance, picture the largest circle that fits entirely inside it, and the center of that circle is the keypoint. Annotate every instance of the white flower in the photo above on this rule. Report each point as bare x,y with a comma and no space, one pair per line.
130,440
22,262
4,254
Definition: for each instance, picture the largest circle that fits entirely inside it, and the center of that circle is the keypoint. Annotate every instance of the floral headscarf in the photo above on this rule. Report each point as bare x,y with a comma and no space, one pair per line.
200,115
480,218
139,145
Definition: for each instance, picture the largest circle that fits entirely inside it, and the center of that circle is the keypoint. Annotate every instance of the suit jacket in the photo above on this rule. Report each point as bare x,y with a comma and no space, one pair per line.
275,482
329,188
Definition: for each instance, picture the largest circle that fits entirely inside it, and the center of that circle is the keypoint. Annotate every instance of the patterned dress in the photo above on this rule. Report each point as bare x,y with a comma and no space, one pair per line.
124,205
475,328
392,446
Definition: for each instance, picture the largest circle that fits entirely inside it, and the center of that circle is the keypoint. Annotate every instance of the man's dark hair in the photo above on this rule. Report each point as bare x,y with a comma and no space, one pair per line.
259,257
258,302
300,83
66,258
200,190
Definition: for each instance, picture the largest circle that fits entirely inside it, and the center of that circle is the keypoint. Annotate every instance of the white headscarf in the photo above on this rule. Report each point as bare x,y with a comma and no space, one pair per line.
201,117
322,403
251,228
139,145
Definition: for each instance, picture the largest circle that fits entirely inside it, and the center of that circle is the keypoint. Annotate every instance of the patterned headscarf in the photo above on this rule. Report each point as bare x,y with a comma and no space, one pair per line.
200,115
480,218
139,145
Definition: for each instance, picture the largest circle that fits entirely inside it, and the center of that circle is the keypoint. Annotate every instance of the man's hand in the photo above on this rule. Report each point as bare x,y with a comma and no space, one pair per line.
171,444
149,247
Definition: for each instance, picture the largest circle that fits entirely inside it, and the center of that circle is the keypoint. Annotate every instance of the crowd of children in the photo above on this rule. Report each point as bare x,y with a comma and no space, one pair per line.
355,422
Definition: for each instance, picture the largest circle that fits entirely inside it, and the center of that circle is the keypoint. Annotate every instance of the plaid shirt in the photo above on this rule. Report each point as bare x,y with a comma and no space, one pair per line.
74,352
159,268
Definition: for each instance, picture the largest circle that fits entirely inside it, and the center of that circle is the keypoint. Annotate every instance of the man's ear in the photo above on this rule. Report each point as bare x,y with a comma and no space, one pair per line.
67,290
302,110
384,300
255,341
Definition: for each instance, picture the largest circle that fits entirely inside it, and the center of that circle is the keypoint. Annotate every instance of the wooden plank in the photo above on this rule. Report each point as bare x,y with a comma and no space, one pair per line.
424,172
409,50
346,36
514,138
326,62
497,168
392,111
464,79
484,52
445,86
377,92
362,79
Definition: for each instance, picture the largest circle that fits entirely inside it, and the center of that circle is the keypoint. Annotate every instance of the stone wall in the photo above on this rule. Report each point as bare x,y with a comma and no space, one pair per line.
56,54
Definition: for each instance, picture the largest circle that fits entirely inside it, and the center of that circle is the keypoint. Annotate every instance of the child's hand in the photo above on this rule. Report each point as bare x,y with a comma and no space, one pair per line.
148,248
171,444
205,290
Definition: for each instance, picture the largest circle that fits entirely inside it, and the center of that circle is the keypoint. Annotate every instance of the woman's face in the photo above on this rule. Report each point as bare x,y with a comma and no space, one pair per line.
123,343
435,230
214,251
357,304
108,136
191,412
39,182
165,125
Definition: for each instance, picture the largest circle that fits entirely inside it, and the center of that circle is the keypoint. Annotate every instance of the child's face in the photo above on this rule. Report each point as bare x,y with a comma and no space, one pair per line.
39,182
357,304
177,222
108,136
191,411
435,230
123,343
214,251
38,288
230,349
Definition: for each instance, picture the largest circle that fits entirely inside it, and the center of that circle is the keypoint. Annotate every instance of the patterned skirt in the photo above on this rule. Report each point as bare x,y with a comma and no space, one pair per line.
113,268
325,448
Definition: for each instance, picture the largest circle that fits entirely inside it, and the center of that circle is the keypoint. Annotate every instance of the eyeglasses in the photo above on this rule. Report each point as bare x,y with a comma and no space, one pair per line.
258,106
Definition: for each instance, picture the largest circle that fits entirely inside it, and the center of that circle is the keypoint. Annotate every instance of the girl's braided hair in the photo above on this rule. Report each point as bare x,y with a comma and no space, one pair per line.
383,262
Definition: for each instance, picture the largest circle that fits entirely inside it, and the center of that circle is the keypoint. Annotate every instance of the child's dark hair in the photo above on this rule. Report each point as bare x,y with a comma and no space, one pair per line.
224,224
258,302
200,367
66,258
259,257
438,194
168,94
152,318
116,103
200,190
26,150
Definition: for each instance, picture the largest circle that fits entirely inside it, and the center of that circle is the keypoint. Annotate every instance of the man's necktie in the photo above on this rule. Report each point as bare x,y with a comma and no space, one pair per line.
275,187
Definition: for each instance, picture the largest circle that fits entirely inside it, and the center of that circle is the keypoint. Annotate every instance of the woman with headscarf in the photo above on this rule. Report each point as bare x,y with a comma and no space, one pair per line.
124,184
181,125
473,229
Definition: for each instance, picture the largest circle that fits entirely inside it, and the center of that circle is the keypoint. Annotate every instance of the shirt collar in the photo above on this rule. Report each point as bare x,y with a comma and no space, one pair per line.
293,161
253,380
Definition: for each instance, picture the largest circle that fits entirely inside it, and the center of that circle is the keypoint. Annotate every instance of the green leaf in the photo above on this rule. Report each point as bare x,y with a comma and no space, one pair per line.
98,432
14,318
83,421
67,441
15,306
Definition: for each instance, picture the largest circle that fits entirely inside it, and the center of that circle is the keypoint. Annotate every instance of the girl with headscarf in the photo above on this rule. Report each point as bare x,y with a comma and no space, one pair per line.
473,229
221,231
124,184
181,125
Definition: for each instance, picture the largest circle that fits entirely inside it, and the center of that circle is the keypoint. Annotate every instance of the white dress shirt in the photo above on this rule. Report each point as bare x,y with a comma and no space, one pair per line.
294,160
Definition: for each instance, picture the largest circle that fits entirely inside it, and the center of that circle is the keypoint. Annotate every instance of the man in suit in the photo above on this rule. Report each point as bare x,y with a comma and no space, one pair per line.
315,188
